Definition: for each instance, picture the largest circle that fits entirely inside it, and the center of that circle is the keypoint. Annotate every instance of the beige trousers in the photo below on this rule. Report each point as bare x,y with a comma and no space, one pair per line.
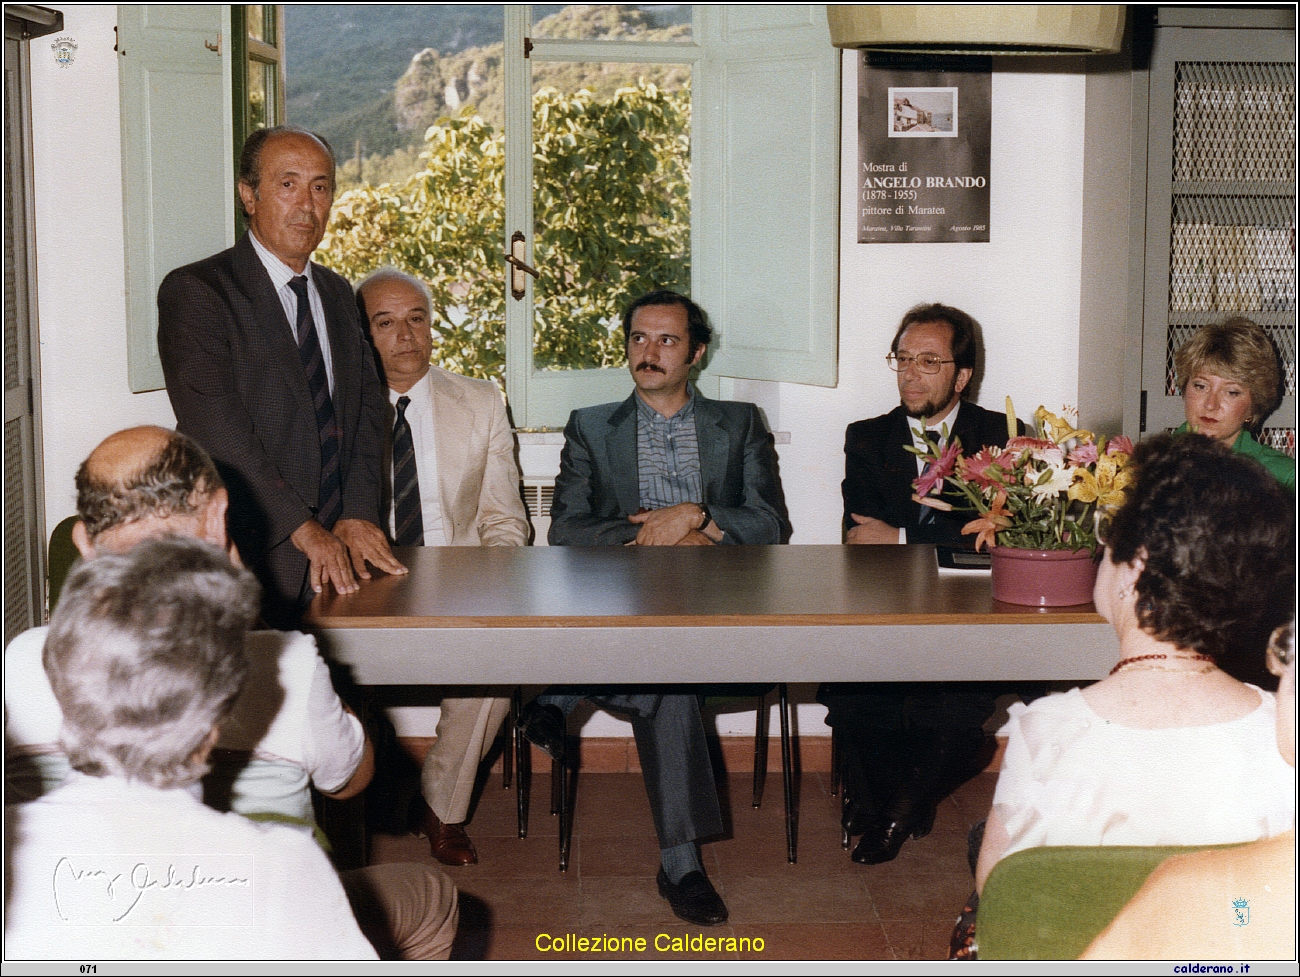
406,910
466,729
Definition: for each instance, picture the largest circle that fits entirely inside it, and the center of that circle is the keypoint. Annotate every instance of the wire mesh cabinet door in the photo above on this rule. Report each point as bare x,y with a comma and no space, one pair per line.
1221,184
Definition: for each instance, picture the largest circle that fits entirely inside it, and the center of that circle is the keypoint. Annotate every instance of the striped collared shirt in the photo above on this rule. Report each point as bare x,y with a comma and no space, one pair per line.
668,456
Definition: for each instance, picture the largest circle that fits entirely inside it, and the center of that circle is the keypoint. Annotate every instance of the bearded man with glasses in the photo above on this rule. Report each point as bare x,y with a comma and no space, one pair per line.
907,745
933,354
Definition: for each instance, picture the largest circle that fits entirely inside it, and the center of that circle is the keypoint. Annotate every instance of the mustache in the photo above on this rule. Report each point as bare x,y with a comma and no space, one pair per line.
651,367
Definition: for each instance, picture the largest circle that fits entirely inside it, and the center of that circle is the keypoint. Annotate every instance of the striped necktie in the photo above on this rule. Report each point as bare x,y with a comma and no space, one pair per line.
330,498
408,520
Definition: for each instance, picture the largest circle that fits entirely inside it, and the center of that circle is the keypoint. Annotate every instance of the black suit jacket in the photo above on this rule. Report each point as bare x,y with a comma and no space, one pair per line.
878,472
237,385
598,486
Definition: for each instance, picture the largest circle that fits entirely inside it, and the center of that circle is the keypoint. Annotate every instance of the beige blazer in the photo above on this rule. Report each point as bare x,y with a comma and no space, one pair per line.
478,478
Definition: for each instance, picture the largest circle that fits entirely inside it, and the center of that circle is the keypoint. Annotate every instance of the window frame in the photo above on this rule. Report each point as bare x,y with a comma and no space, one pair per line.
246,50
542,398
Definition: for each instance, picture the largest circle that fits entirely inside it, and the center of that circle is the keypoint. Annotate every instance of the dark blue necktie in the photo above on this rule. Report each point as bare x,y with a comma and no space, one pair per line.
408,520
330,498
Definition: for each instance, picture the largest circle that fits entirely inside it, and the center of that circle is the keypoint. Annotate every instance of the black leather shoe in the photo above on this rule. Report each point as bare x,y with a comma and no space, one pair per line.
910,818
859,819
543,726
694,899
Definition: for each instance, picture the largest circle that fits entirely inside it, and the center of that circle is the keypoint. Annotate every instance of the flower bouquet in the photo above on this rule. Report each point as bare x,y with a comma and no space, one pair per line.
1038,495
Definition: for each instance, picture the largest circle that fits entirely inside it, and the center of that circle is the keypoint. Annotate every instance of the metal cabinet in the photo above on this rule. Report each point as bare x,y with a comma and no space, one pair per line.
1219,223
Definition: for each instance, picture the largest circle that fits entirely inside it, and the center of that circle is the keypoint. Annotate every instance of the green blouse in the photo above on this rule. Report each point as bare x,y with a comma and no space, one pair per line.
1280,466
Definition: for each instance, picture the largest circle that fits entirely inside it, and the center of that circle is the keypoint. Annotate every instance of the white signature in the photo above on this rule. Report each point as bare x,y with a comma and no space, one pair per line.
125,889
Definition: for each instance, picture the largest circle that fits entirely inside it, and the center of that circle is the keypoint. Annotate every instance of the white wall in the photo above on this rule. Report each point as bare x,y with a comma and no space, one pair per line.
77,174
1022,287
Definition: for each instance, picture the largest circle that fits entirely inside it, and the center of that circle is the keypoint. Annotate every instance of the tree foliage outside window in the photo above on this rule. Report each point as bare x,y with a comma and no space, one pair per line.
612,217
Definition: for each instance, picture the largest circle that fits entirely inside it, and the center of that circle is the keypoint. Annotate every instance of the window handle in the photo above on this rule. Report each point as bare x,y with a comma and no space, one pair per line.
515,259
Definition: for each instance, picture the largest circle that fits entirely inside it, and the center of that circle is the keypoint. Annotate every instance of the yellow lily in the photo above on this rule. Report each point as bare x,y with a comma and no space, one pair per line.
1058,430
1105,488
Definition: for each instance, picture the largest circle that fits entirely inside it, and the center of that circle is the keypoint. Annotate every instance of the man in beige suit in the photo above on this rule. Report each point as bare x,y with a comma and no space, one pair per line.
454,483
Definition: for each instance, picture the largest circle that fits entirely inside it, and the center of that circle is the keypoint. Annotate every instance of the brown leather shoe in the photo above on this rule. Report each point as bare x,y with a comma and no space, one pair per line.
448,843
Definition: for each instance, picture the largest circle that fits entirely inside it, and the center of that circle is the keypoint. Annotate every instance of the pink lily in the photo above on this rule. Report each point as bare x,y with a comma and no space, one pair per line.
932,479
975,468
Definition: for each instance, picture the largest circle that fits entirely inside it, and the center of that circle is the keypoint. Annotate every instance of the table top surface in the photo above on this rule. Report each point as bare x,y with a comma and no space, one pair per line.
715,586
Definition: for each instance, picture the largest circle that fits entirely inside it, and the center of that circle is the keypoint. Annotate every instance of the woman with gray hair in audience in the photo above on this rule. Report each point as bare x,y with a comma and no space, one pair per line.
146,655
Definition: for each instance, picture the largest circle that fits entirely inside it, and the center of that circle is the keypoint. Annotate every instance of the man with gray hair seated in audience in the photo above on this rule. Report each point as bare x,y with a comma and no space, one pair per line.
145,654
288,729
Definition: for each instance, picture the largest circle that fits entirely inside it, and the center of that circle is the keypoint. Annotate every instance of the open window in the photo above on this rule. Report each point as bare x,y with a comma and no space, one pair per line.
715,171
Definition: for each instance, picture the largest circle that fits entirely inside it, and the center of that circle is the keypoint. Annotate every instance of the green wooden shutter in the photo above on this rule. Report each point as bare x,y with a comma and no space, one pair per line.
765,141
177,191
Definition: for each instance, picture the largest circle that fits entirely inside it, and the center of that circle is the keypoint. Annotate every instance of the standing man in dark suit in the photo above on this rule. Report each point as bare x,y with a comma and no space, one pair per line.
268,368
666,467
905,745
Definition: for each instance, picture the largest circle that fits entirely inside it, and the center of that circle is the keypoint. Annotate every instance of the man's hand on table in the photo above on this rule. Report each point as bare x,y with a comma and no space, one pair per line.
869,530
671,526
695,538
340,557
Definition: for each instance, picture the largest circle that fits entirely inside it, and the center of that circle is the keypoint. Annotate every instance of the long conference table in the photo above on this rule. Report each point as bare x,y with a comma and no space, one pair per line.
581,615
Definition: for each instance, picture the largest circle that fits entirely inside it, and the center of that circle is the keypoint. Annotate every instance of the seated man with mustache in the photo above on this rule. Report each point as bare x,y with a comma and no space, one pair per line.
666,467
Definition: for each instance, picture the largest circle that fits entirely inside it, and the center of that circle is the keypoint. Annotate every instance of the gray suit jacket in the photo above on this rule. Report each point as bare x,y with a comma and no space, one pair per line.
598,486
237,385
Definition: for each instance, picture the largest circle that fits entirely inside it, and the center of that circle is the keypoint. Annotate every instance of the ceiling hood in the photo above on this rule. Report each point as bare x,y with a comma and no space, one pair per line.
1003,29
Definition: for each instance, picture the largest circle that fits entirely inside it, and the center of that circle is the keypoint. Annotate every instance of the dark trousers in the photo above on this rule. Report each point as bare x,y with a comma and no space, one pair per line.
674,756
924,735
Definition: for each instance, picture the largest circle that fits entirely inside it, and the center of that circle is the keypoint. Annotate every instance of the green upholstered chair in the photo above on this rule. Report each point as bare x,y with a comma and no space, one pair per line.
1050,903
62,555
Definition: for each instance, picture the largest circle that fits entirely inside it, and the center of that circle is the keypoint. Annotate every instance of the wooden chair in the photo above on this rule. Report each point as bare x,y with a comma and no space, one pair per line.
61,555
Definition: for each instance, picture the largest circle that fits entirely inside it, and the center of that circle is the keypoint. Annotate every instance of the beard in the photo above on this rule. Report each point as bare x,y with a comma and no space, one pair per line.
932,408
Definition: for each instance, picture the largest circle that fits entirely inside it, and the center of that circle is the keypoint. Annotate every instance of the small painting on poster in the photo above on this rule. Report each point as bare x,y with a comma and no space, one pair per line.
923,148
923,113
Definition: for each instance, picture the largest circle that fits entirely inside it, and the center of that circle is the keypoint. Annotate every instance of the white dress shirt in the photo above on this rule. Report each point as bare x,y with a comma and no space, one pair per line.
281,274
419,415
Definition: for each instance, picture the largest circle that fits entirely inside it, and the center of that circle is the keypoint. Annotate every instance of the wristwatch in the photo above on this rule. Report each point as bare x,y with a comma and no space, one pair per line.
708,516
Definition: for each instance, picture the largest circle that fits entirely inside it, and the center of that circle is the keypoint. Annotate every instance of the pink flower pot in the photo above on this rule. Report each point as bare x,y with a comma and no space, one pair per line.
1043,578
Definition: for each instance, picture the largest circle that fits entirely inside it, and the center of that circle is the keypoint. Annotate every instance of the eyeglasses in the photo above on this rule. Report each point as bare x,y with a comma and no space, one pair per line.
926,362
1101,519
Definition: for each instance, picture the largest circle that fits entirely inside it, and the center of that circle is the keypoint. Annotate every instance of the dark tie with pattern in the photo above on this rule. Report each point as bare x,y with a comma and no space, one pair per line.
408,520
330,500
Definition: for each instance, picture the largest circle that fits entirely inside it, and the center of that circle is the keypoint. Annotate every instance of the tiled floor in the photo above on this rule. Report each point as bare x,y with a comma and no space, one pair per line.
823,907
